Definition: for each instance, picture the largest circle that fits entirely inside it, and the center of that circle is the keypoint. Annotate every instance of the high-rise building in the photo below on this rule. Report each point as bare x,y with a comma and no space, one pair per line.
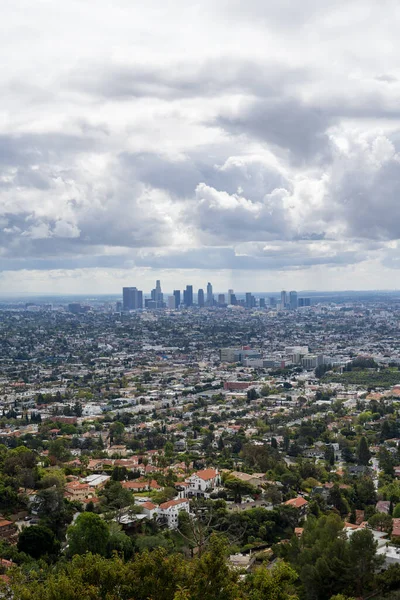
250,301
188,296
132,298
210,297
221,299
233,300
139,299
149,303
171,302
262,302
284,299
304,302
293,300
157,295
272,301
229,299
177,295
200,298
127,298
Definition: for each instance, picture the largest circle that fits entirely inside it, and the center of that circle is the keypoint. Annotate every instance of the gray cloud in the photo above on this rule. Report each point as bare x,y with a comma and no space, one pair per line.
252,257
187,79
260,139
287,123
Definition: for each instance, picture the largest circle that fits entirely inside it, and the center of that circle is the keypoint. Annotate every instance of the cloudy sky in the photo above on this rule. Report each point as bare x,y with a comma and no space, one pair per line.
255,144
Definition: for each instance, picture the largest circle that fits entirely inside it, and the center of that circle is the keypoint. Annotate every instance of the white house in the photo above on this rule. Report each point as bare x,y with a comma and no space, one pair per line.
168,511
149,509
203,482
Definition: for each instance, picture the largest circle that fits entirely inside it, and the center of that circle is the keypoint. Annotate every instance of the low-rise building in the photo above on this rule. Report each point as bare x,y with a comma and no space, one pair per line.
168,512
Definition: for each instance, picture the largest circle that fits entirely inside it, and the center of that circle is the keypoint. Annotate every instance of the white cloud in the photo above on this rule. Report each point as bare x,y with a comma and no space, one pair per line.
159,138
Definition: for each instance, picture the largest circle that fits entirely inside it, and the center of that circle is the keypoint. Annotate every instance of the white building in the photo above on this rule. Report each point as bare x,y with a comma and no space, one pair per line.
202,483
168,512
149,509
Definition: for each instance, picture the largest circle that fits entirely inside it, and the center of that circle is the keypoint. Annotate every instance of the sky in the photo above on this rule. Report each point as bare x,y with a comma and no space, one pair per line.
252,144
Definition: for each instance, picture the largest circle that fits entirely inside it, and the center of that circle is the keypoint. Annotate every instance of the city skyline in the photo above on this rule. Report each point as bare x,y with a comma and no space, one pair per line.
135,299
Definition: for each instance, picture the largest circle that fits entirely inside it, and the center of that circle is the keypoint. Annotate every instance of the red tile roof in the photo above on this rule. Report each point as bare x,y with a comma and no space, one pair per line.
207,474
170,503
5,523
148,505
296,502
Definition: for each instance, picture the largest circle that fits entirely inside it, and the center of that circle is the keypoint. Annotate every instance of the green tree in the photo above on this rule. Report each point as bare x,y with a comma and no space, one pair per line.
115,498
274,584
330,455
320,557
60,450
53,510
89,534
38,541
239,488
381,522
336,499
118,541
117,430
363,453
363,559
365,492
212,577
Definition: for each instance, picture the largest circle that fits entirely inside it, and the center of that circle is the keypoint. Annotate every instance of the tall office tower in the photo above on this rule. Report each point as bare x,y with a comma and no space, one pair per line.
188,296
262,302
126,298
272,301
307,301
159,296
233,300
171,302
249,300
293,300
177,294
221,299
300,302
200,298
132,298
284,299
229,297
139,299
210,297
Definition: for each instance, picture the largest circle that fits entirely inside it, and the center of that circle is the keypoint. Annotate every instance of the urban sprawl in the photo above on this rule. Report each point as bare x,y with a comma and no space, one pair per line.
261,428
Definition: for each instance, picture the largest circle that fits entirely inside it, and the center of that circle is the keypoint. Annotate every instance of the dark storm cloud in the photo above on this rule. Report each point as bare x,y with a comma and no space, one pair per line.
287,123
